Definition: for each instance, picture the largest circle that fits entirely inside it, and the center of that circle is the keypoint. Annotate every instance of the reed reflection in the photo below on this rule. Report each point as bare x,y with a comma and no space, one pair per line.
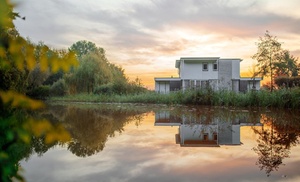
277,130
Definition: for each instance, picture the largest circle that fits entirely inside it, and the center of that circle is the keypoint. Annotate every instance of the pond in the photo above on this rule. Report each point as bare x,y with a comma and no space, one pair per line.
128,142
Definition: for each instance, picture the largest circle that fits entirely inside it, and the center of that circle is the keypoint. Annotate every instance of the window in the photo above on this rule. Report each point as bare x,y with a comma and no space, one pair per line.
215,66
205,67
205,136
215,136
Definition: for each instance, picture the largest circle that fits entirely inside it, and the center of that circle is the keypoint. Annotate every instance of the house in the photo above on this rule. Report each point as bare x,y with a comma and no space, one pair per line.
203,72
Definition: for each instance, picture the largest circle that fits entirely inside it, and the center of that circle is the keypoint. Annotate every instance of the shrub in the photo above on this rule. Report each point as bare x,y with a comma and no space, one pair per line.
104,89
41,92
287,82
58,88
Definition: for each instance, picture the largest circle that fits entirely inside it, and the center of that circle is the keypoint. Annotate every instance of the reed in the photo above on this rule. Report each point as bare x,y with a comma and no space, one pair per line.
277,99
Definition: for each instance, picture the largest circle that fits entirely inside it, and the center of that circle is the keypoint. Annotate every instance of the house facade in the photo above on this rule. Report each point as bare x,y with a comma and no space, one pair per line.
203,72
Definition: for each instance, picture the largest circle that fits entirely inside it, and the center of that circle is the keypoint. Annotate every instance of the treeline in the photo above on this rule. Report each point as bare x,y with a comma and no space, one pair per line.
94,74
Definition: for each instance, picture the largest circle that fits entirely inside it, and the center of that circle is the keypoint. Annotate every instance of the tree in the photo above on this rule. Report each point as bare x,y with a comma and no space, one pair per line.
268,55
92,71
84,47
287,65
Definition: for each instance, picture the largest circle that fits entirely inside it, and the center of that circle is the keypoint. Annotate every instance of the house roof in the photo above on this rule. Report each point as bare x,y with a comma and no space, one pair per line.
167,79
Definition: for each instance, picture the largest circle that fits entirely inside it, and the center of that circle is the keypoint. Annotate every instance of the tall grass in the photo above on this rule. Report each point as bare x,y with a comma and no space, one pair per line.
276,99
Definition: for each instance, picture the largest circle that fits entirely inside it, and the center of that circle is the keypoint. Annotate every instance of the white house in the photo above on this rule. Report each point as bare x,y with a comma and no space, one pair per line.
203,72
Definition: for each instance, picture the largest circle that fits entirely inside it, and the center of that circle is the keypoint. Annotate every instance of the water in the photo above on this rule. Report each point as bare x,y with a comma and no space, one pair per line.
126,142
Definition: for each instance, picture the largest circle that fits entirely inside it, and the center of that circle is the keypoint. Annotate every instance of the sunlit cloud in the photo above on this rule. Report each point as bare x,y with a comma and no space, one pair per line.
149,36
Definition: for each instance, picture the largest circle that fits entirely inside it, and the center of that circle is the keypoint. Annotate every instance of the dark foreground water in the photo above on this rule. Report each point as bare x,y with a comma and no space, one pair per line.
125,142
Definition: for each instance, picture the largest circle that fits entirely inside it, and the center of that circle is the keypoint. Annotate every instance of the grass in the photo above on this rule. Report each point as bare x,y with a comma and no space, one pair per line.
276,99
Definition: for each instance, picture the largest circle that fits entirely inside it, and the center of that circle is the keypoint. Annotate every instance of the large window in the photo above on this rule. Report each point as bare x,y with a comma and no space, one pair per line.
205,67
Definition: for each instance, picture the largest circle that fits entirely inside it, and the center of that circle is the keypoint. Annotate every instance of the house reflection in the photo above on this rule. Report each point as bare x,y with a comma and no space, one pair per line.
201,131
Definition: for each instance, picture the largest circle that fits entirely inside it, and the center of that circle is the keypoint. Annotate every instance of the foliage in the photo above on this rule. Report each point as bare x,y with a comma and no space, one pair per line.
35,78
41,92
268,54
121,87
53,78
106,89
18,57
287,65
58,88
84,47
95,74
273,61
287,82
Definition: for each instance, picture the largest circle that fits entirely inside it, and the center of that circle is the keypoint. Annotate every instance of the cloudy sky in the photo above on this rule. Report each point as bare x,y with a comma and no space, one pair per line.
145,37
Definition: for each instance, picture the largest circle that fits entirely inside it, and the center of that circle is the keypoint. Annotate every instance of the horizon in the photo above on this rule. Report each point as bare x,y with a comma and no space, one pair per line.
146,38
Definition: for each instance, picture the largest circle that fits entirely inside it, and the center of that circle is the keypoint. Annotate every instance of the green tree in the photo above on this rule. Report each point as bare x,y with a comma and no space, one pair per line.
287,65
268,55
96,74
84,47
92,71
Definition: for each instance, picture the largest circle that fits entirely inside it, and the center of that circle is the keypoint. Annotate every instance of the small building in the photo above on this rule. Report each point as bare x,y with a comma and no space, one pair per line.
203,72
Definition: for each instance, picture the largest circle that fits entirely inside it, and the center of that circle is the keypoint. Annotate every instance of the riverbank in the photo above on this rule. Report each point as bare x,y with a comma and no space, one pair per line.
276,99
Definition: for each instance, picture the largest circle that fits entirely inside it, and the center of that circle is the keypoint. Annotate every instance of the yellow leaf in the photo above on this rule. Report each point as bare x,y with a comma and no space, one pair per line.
2,52
19,62
44,63
25,137
50,138
55,65
30,60
18,100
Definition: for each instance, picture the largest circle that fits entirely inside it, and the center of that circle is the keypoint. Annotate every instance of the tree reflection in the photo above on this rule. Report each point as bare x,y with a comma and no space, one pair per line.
279,133
90,127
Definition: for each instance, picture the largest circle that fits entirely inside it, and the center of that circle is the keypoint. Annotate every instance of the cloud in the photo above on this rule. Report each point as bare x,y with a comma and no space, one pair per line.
157,32
140,24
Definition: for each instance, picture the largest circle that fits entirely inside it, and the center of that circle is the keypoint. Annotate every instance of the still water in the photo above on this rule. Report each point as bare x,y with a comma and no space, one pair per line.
127,142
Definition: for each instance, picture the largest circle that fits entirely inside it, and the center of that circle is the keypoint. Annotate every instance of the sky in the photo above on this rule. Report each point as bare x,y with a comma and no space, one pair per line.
146,37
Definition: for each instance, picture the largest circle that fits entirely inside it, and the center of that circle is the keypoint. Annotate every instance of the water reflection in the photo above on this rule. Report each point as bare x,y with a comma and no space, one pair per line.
206,127
91,126
278,130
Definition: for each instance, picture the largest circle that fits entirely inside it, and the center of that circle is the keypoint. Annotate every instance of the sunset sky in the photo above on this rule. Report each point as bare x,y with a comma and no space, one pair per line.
145,37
